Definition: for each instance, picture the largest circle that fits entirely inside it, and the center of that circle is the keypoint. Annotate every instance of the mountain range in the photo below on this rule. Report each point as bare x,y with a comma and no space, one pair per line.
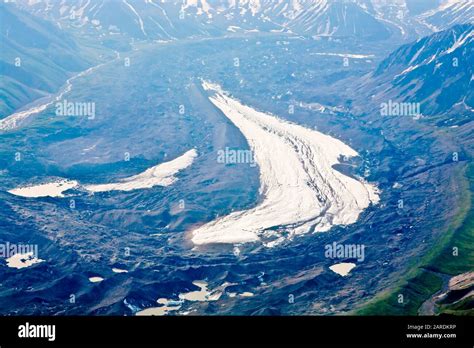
435,71
171,19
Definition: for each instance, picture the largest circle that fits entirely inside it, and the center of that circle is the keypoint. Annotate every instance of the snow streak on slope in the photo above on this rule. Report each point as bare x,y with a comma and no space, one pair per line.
163,19
300,190
140,21
16,119
160,175
449,13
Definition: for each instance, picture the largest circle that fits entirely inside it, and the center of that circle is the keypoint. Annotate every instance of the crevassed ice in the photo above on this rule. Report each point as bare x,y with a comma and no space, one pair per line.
300,189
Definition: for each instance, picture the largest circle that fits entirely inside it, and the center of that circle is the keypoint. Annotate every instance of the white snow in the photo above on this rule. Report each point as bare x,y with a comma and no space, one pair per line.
299,188
22,260
140,21
451,11
407,70
161,175
118,270
342,268
233,28
163,12
460,42
10,122
160,26
14,120
52,189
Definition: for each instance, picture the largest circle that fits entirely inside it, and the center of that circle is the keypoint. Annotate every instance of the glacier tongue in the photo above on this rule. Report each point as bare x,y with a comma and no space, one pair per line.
300,190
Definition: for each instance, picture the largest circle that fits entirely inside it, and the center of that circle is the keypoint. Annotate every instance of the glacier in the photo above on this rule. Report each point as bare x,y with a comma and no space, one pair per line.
299,188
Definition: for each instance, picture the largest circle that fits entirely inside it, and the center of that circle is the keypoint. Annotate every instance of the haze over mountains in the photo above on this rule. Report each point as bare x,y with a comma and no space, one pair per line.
171,19
36,58
304,78
436,71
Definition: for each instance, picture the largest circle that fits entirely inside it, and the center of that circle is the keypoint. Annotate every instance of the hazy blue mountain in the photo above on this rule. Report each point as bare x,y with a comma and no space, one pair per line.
171,19
36,58
448,13
416,7
339,18
416,18
435,71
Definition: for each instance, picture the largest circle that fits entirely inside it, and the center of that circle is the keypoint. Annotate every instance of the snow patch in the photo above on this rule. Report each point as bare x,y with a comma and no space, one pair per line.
343,268
161,175
22,260
52,189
